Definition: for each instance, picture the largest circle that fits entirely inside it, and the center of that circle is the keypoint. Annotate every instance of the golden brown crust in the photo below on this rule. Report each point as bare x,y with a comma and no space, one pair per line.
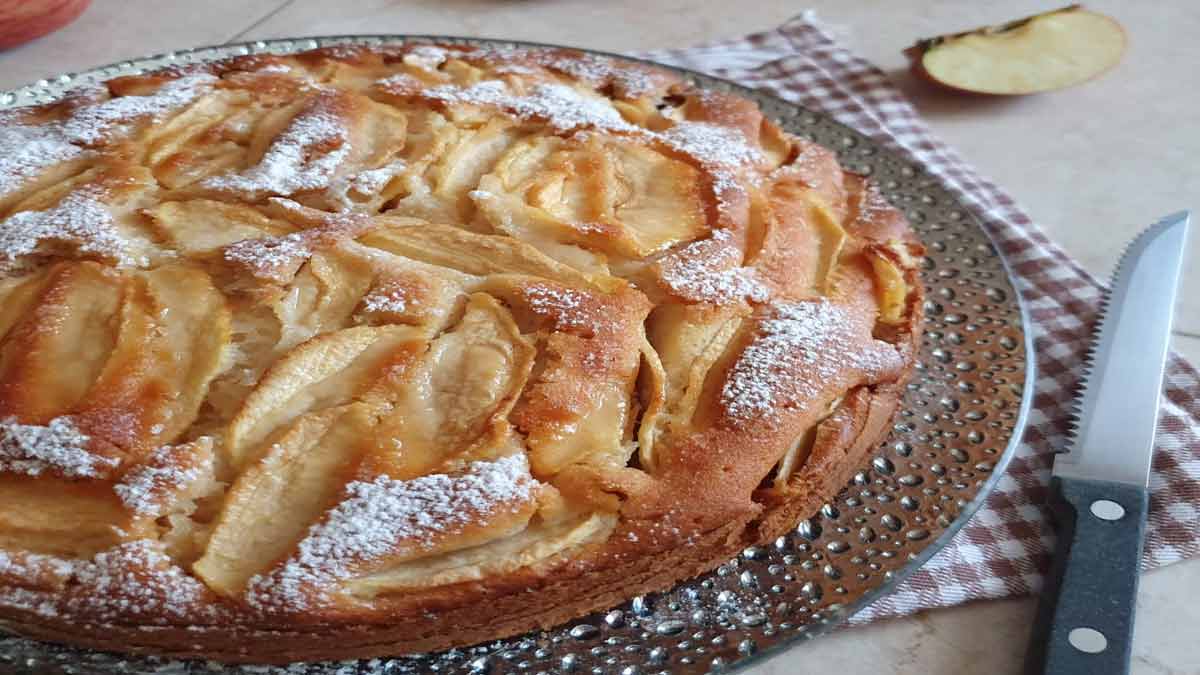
397,349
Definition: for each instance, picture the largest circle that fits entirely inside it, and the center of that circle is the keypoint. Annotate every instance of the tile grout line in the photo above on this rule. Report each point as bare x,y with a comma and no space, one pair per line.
260,21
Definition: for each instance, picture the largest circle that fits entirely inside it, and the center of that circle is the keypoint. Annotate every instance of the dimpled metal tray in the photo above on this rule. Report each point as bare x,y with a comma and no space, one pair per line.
958,423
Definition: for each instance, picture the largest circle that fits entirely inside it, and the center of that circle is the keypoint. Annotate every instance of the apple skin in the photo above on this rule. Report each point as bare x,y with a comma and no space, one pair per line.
916,55
25,20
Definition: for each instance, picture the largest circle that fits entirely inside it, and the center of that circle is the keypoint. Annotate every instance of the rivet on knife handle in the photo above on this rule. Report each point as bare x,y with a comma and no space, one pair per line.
1088,630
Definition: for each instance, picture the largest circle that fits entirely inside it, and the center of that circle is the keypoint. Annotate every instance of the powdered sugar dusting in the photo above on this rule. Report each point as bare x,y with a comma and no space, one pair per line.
514,69
30,571
305,156
799,349
80,219
144,489
33,566
27,151
42,604
388,298
270,257
711,145
137,579
374,180
274,68
631,79
561,106
710,271
277,258
594,68
726,189
566,307
388,517
365,183
58,447
98,122
567,109
721,151
118,585
401,84
428,57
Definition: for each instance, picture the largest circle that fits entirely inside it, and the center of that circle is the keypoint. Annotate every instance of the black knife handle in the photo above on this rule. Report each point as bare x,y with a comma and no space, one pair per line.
1092,584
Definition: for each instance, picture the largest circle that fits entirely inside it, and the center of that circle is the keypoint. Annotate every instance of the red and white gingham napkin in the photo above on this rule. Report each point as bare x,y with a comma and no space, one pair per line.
1005,548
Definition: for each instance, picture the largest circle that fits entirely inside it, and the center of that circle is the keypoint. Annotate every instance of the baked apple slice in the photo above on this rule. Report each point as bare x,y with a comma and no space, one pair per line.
1039,53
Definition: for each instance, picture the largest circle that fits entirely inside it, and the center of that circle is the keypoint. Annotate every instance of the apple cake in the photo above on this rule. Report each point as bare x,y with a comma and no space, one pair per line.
368,351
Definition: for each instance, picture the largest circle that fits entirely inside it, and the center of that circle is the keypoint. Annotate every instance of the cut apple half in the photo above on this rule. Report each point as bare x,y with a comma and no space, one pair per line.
1039,53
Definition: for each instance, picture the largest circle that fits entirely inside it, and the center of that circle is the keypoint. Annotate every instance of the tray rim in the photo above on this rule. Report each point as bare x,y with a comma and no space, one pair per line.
168,59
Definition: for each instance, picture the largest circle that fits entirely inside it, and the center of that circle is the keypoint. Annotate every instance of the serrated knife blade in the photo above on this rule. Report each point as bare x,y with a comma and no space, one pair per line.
1117,406
1099,492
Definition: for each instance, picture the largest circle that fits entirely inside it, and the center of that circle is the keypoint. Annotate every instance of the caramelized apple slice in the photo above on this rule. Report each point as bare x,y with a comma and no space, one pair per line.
469,154
327,371
428,136
454,402
70,323
321,297
1039,53
656,199
891,287
803,235
142,348
474,254
79,518
541,540
848,424
202,139
409,294
591,429
280,495
92,216
613,196
652,395
204,226
689,339
353,283
61,516
17,295
395,521
174,328
577,406
313,151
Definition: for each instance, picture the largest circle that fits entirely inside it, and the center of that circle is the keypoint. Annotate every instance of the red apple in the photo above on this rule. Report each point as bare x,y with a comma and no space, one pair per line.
1038,53
24,20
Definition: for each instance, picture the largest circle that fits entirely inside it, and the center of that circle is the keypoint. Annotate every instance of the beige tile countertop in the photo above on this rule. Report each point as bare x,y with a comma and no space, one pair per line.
1092,164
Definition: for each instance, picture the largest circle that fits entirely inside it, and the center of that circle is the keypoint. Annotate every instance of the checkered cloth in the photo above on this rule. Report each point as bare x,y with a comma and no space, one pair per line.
1005,548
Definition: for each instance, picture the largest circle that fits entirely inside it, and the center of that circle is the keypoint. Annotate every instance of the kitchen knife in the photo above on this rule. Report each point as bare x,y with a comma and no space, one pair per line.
1100,483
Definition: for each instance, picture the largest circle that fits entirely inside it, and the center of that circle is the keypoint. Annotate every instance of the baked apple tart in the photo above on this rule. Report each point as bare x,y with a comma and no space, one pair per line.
366,351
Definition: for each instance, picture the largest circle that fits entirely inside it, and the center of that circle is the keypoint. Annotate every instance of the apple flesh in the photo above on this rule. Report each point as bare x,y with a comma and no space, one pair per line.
1039,53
